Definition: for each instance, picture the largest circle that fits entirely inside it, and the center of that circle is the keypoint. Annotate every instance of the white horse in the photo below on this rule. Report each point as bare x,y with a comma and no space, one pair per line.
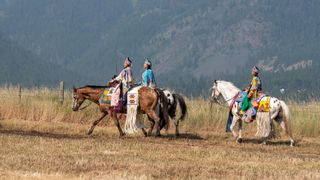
279,111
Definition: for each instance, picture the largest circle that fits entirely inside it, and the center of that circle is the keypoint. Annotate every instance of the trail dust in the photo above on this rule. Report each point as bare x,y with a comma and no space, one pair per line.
46,150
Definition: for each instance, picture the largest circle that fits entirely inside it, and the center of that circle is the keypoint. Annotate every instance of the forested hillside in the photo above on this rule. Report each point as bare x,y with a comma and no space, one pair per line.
190,42
19,66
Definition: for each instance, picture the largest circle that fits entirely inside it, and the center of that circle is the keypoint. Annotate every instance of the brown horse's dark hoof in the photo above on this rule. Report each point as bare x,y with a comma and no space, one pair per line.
239,140
144,133
89,132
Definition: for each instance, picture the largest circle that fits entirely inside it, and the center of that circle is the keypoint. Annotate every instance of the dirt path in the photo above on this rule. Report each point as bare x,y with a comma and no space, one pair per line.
41,150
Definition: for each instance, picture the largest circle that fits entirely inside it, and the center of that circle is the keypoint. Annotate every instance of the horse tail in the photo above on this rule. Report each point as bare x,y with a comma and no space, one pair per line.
182,105
286,117
163,108
285,110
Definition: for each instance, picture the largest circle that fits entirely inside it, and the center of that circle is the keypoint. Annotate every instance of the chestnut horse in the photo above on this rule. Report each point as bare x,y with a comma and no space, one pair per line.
148,100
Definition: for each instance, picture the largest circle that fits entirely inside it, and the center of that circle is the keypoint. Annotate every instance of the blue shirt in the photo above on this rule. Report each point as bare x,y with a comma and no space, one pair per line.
148,78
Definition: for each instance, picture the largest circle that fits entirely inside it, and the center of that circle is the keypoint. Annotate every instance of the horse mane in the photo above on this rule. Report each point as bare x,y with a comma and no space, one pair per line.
94,86
229,85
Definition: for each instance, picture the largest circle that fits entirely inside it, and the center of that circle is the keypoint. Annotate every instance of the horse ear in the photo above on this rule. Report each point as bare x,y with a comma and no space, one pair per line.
74,89
215,81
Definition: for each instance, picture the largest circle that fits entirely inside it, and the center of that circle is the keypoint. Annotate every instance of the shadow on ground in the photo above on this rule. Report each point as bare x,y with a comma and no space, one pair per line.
42,134
273,142
183,136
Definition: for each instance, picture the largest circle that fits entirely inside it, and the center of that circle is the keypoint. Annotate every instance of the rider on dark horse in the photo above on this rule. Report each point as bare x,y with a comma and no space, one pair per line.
253,90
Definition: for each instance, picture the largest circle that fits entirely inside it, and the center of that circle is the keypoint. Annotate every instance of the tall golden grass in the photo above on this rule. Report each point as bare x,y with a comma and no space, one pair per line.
42,139
42,104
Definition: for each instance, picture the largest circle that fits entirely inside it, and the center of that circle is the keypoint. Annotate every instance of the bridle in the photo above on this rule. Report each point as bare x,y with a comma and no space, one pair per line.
80,109
216,99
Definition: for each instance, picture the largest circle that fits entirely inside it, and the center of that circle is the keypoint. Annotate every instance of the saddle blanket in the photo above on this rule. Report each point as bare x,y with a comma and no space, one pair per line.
264,104
106,96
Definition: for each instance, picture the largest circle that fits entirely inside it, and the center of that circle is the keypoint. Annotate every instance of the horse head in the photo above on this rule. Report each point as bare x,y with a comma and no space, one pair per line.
215,93
77,100
223,91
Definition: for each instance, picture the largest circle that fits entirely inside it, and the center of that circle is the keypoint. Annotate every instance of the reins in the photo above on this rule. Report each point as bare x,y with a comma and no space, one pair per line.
223,103
85,106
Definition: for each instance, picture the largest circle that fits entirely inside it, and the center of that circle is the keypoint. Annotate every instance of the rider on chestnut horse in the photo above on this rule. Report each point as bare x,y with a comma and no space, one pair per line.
122,84
148,100
148,78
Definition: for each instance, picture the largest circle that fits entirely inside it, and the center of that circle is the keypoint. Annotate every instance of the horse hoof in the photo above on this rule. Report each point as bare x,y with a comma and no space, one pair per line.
291,143
239,140
89,133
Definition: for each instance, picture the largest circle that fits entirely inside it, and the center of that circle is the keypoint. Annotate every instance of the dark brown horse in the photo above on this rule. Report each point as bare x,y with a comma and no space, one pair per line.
148,100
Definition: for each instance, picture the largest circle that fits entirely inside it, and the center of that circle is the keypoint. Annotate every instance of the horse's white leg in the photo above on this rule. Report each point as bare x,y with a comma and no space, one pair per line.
240,132
234,121
264,142
176,123
285,128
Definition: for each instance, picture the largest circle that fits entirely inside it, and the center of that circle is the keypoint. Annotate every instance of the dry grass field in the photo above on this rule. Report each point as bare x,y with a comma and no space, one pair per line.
40,139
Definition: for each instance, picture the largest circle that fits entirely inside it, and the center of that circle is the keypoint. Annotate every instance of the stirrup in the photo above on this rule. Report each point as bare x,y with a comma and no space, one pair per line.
241,113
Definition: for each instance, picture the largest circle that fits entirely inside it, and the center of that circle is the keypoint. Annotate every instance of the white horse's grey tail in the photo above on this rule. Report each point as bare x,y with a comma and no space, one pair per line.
286,112
286,121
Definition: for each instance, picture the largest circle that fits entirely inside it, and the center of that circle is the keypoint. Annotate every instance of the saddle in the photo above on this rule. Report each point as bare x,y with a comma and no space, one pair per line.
259,104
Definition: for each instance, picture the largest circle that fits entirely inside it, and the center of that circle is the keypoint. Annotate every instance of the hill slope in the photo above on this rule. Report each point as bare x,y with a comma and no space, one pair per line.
190,42
19,66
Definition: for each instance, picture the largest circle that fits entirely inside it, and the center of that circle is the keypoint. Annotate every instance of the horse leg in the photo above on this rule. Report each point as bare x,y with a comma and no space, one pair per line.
264,141
239,139
285,127
95,123
151,126
234,121
153,115
116,122
144,132
176,123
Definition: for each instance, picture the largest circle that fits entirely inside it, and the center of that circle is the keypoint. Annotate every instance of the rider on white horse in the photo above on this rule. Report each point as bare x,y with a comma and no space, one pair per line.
278,110
253,90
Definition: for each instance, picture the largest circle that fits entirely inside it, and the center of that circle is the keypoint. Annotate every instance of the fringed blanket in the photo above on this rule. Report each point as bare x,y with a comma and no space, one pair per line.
134,120
263,124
